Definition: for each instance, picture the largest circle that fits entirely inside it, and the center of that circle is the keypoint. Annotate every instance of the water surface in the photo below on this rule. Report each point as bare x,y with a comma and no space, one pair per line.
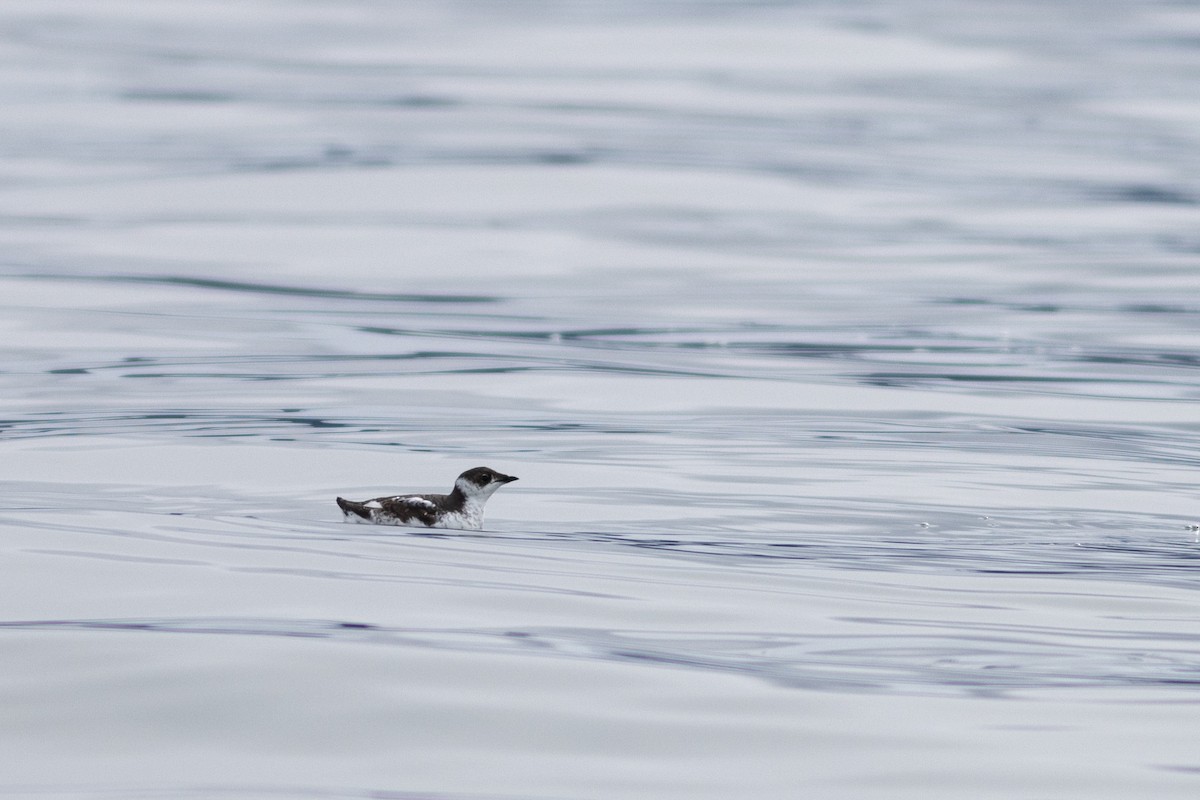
847,354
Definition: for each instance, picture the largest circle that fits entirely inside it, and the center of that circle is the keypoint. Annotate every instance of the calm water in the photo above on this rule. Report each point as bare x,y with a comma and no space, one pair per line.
848,354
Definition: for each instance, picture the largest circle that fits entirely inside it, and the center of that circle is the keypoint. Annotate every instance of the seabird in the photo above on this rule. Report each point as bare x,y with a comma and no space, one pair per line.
462,509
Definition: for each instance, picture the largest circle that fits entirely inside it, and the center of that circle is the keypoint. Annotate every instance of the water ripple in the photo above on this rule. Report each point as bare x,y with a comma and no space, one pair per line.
975,659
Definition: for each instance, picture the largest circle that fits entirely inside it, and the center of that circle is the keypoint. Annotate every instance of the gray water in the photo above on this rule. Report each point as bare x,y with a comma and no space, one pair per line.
848,354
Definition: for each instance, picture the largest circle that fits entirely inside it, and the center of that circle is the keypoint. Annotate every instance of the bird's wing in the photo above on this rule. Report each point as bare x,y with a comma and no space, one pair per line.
408,508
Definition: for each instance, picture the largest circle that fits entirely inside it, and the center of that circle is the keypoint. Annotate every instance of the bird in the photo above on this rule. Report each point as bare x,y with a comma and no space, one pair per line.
462,509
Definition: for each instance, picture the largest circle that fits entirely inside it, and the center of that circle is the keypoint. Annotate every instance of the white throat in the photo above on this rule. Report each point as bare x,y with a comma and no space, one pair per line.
470,517
476,494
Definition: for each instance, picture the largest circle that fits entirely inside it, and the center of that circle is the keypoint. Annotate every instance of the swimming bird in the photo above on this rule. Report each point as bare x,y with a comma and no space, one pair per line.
462,509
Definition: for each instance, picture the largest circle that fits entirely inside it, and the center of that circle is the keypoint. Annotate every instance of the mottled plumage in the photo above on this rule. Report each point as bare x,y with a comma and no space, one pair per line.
462,509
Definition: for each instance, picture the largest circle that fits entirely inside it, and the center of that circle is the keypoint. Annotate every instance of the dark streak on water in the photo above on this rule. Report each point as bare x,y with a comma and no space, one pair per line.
993,658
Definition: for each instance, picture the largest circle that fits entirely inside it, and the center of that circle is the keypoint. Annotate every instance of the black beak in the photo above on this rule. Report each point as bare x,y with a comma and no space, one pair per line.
506,478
